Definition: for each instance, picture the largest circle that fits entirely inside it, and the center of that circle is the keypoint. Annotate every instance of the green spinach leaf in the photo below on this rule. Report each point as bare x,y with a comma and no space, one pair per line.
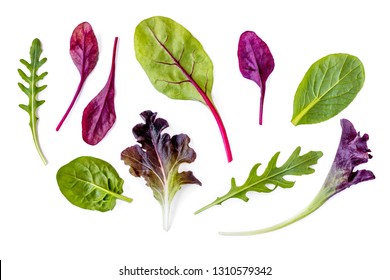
327,88
91,183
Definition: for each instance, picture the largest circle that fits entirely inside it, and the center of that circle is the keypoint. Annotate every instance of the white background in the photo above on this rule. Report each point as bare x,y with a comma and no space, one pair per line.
43,236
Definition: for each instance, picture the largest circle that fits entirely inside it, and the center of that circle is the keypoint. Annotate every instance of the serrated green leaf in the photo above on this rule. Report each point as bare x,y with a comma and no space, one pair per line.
327,88
32,89
295,165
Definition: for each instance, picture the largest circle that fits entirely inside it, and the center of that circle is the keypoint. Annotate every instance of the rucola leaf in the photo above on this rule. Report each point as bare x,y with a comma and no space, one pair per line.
99,115
84,51
91,183
295,165
33,89
158,159
256,62
177,64
327,88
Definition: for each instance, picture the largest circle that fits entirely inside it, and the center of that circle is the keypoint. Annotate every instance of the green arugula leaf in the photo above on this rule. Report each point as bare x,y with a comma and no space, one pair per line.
91,183
295,165
327,88
33,89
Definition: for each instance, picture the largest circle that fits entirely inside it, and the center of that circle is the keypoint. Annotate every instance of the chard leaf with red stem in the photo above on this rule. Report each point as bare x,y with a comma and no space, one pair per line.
176,64
99,115
256,62
84,51
33,90
157,159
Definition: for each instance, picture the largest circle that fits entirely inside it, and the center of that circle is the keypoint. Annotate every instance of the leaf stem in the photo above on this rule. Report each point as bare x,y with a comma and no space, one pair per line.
262,95
38,146
317,202
82,80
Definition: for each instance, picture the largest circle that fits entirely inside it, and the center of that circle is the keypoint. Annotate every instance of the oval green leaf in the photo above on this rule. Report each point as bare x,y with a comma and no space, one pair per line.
91,183
327,88
174,60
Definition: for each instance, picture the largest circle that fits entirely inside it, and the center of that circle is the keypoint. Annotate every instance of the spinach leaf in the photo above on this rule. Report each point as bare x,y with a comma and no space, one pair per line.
91,183
177,64
256,62
99,115
158,158
33,90
296,165
327,88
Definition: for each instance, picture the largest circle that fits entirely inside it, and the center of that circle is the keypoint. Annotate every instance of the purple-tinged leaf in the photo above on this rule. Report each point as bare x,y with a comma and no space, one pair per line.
157,159
256,62
99,115
84,51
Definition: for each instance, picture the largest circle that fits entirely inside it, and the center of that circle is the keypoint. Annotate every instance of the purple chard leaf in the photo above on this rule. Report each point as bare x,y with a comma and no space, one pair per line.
84,51
352,151
99,115
256,62
157,159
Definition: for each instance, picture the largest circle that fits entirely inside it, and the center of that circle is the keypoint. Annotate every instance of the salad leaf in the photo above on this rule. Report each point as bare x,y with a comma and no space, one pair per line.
91,183
99,115
295,165
352,151
157,159
33,90
256,62
84,51
327,88
176,64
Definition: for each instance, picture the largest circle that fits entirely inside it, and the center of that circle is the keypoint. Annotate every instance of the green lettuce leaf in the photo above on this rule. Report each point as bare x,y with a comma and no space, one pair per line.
157,159
295,165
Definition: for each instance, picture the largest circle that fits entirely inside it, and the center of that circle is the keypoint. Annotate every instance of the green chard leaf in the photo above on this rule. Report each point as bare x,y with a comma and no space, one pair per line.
327,88
157,159
32,90
91,183
295,165
177,65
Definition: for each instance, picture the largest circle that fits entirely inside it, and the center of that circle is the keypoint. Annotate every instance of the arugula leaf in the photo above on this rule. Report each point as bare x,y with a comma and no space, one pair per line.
33,90
352,151
158,159
327,88
295,165
91,183
256,62
176,64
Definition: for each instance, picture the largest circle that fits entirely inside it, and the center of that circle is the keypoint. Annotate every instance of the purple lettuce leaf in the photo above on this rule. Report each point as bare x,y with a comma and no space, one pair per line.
157,159
256,62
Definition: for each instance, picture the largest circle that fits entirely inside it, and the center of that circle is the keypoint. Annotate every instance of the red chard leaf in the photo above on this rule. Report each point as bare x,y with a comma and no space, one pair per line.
99,115
157,159
256,62
84,51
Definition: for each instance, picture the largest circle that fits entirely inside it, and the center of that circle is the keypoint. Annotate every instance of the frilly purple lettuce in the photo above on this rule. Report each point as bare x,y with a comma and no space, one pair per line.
352,151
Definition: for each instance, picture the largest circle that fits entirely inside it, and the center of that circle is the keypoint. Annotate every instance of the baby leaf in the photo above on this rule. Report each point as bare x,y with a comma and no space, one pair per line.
91,183
158,159
84,51
33,89
177,64
99,115
327,88
295,165
256,62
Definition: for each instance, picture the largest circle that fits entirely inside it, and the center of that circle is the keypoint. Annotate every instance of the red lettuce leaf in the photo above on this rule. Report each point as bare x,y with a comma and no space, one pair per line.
84,52
99,115
157,159
256,62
